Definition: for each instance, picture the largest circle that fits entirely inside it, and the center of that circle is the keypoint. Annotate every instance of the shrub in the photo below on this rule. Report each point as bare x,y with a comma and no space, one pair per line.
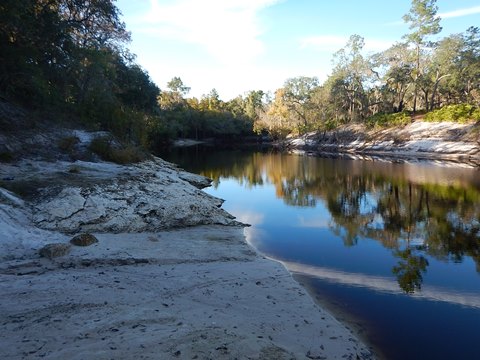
387,120
461,113
101,146
108,151
67,144
331,124
128,155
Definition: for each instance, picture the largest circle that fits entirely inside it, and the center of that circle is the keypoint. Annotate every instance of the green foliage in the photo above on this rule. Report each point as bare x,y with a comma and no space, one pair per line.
158,134
388,120
297,97
134,88
423,20
177,85
108,151
331,124
410,270
67,56
461,113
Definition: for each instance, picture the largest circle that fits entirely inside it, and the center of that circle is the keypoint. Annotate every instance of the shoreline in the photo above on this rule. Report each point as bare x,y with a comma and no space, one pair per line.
178,283
344,317
113,300
444,142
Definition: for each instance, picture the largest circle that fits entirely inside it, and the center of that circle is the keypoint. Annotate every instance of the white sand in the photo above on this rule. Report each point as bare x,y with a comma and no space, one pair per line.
193,293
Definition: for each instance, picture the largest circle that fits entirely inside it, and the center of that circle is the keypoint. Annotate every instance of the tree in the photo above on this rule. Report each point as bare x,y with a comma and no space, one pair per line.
394,69
470,64
276,118
423,22
445,63
176,85
351,74
134,87
173,99
51,47
253,103
297,96
211,101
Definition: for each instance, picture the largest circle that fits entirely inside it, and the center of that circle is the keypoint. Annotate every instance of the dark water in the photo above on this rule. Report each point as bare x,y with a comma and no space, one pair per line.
392,248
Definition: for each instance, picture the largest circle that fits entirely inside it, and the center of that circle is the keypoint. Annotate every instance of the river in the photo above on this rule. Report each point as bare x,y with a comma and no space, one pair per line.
391,249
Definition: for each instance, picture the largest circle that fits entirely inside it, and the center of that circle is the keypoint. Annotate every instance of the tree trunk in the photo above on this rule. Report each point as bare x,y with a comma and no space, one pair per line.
435,87
415,91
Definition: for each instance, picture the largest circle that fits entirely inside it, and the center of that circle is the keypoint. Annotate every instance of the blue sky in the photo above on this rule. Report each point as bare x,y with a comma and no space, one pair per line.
239,45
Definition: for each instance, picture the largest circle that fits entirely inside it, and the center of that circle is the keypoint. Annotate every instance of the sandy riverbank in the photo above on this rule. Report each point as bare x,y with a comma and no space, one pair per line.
435,141
192,293
170,277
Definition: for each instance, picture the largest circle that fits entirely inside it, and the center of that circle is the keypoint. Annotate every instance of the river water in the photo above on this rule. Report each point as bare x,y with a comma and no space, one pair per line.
392,249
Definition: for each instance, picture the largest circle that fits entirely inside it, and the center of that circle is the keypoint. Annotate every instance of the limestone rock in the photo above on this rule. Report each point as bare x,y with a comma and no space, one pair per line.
149,196
85,239
54,250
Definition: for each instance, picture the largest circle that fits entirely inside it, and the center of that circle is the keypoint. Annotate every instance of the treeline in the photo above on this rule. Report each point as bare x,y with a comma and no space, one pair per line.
416,74
71,56
208,116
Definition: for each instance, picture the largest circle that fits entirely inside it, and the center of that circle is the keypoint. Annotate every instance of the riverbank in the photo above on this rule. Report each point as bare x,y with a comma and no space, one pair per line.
171,275
420,140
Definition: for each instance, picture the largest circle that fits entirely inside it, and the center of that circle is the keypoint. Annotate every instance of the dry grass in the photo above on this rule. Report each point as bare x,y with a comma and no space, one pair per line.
108,151
67,144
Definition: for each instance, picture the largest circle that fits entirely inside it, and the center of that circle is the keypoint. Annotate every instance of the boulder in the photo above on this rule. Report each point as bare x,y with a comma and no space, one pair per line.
54,250
85,239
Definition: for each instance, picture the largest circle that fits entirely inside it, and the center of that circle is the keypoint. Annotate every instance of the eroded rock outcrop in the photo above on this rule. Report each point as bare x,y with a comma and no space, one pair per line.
445,141
150,196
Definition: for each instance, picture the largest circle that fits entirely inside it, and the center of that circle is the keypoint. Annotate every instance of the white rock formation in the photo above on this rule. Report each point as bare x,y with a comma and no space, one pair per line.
150,196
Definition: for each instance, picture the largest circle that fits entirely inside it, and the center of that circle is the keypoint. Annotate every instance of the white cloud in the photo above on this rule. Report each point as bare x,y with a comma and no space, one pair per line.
384,284
228,30
320,222
332,43
248,216
446,15
228,81
460,13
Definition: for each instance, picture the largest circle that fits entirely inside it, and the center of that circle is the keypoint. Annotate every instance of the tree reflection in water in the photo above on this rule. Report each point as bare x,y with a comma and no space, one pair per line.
413,210
409,270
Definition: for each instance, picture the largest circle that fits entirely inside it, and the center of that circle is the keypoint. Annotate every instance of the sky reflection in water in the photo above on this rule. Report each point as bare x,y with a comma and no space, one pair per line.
358,232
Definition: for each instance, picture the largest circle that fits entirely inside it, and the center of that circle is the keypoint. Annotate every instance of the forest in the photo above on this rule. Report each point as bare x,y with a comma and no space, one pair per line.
71,58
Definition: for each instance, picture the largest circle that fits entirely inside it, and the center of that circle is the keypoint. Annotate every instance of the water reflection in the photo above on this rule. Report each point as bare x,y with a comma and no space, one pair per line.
382,284
409,270
415,211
